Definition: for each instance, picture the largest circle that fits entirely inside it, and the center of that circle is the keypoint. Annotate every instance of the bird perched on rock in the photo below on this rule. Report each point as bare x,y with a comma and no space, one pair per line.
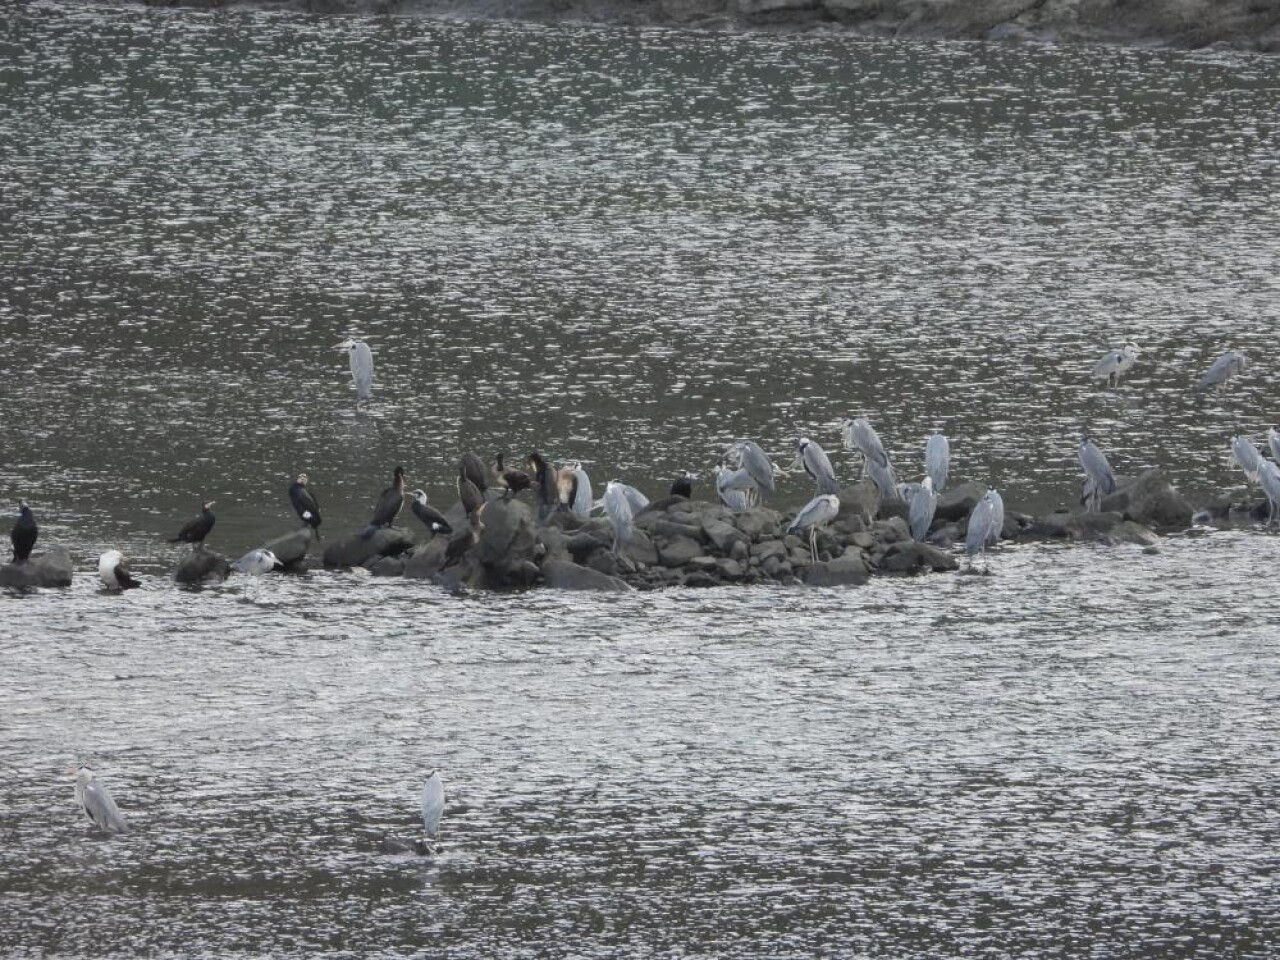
816,463
575,489
431,518
113,571
617,507
360,358
986,521
1099,478
818,512
96,802
195,530
470,496
475,470
937,460
682,487
544,480
24,533
390,503
305,504
514,480
921,508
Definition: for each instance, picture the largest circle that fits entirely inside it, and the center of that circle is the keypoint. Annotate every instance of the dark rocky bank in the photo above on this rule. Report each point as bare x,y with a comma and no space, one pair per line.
1252,25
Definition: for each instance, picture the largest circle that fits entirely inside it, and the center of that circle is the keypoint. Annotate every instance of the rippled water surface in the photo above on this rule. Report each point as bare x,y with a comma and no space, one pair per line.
630,248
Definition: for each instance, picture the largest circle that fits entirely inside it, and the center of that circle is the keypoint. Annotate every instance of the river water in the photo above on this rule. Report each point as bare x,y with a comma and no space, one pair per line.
628,247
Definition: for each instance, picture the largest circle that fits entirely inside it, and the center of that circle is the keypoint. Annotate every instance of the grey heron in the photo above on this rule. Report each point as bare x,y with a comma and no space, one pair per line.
1100,480
1269,480
432,804
96,802
361,359
748,455
1273,441
923,505
575,489
196,530
256,562
937,460
305,504
885,481
431,518
986,520
1246,456
618,508
818,512
635,498
816,463
24,533
861,436
1114,364
735,488
113,571
389,504
1222,370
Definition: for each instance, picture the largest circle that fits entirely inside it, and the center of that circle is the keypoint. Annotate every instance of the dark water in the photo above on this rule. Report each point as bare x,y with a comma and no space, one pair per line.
629,248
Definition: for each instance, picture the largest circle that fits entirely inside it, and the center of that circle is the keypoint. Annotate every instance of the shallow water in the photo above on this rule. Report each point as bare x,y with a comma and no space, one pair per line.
628,247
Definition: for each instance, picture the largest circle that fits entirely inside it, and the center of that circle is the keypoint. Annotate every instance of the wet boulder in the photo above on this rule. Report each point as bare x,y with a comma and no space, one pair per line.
957,502
566,575
356,550
507,542
50,569
849,569
202,566
427,559
678,550
911,556
1152,501
291,549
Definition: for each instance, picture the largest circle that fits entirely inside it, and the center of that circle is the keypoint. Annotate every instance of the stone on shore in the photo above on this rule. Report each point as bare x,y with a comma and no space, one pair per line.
355,550
202,566
291,548
849,569
1152,501
49,569
567,575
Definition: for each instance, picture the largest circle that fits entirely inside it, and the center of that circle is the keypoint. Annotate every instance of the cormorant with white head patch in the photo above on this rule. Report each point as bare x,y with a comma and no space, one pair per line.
305,504
431,518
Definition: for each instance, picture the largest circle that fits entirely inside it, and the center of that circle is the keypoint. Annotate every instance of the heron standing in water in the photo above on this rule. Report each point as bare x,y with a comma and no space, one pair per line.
986,521
360,358
1114,364
1221,370
96,801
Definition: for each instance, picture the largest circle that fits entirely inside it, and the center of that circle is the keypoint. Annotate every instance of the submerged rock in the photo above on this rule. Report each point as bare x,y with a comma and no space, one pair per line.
1151,500
291,548
356,550
50,569
566,575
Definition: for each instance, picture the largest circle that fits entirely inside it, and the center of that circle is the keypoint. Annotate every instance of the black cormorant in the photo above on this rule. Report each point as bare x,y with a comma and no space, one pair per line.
24,533
304,502
195,530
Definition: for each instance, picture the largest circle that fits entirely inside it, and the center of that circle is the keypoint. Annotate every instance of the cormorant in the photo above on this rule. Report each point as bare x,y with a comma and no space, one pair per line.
475,470
195,530
389,504
682,487
432,518
304,502
24,533
513,480
545,484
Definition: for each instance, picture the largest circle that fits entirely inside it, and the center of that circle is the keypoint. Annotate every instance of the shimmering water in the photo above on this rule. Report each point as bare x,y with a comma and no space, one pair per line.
628,247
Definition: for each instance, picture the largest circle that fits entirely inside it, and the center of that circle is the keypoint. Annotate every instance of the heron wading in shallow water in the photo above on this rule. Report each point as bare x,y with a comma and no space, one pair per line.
96,801
1221,370
986,521
1114,364
360,358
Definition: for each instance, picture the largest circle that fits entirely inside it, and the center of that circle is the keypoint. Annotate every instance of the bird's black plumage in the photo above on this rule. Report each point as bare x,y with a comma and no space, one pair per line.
305,503
24,533
470,495
431,518
196,529
124,578
389,504
545,484
475,470
513,480
682,487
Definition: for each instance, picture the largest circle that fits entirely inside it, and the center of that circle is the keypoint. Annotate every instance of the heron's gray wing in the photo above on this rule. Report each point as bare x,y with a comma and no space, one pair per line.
1247,456
757,463
635,499
997,518
102,808
818,464
1095,465
975,537
1218,371
432,804
362,370
1273,441
923,504
883,477
937,460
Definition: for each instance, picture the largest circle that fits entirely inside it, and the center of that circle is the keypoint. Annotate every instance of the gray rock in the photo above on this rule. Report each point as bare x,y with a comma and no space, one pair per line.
723,535
678,551
202,566
49,569
508,543
957,502
605,562
427,560
291,548
847,570
728,569
908,556
700,579
759,522
641,549
663,529
1152,501
768,548
892,530
355,550
387,567
566,575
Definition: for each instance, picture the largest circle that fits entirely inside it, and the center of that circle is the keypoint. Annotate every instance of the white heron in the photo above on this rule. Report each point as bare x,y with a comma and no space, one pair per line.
113,571
96,802
361,359
1114,364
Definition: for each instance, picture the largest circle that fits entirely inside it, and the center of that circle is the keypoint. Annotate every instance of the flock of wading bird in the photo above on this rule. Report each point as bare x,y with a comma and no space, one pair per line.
743,477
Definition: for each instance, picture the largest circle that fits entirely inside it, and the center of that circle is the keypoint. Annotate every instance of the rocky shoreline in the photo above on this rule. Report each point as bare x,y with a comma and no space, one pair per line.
678,542
1249,25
